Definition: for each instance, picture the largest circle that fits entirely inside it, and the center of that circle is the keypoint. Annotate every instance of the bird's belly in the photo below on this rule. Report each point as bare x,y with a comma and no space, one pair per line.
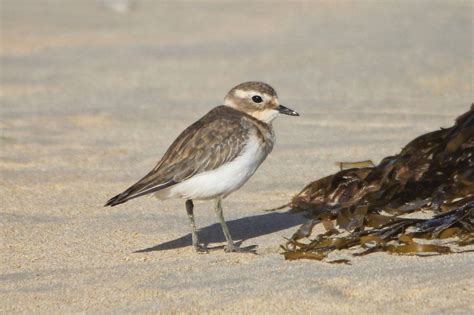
221,181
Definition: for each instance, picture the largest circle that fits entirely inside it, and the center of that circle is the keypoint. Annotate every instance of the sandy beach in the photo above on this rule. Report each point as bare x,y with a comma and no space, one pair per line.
91,97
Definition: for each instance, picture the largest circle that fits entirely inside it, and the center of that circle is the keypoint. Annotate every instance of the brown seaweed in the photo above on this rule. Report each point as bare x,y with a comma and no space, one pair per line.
434,173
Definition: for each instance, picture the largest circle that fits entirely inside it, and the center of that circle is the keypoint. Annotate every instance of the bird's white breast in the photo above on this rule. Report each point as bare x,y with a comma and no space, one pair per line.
223,180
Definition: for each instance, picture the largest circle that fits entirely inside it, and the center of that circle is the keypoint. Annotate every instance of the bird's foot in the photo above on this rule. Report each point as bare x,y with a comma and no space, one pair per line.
200,249
232,248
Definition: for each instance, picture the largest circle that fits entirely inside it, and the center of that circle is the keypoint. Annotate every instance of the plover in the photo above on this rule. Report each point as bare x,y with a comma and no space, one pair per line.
216,155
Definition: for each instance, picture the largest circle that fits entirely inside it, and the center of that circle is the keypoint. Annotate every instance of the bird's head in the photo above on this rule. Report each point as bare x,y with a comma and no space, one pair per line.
257,99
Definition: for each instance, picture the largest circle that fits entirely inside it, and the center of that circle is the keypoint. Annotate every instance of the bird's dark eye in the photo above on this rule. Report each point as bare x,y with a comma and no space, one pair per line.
257,99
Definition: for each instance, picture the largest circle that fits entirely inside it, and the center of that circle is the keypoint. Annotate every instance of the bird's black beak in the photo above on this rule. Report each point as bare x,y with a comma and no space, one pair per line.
285,110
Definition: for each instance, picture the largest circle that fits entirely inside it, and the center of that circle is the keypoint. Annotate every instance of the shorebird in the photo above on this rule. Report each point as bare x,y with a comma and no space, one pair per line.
216,155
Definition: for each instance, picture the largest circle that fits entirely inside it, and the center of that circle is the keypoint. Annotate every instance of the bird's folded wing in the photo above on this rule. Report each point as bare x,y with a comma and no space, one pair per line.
207,144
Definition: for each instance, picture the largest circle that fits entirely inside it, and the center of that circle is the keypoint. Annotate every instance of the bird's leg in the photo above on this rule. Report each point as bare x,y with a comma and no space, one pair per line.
189,209
230,244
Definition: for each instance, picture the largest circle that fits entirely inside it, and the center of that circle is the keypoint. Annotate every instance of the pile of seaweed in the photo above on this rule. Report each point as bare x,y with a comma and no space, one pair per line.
373,208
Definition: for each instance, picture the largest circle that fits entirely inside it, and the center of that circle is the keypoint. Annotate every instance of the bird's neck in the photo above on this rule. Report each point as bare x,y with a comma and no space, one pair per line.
266,116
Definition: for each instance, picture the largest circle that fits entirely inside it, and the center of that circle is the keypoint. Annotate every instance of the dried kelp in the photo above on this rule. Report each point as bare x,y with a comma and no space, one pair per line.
369,204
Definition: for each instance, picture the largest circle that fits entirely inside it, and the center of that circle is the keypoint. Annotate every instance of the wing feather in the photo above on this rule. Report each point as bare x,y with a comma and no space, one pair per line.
215,139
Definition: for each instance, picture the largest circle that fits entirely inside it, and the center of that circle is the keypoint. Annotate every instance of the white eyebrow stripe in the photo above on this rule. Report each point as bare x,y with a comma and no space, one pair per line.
244,94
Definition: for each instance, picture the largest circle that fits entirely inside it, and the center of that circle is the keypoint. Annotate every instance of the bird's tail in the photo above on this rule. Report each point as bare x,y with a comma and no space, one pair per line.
120,198
137,190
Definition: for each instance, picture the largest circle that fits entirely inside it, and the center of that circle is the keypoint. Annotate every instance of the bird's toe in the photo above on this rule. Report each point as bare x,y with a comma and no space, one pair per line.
252,249
201,249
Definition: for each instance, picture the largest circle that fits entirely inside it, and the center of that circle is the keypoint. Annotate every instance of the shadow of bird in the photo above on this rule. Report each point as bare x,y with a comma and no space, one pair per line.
244,229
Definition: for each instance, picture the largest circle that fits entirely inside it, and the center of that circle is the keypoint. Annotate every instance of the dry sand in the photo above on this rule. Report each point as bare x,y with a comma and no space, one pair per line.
91,98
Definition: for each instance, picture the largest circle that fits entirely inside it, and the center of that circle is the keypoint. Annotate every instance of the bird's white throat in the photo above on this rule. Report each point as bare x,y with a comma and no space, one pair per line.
267,116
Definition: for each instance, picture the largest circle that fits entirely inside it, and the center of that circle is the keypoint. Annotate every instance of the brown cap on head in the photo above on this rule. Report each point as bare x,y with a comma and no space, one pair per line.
255,86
